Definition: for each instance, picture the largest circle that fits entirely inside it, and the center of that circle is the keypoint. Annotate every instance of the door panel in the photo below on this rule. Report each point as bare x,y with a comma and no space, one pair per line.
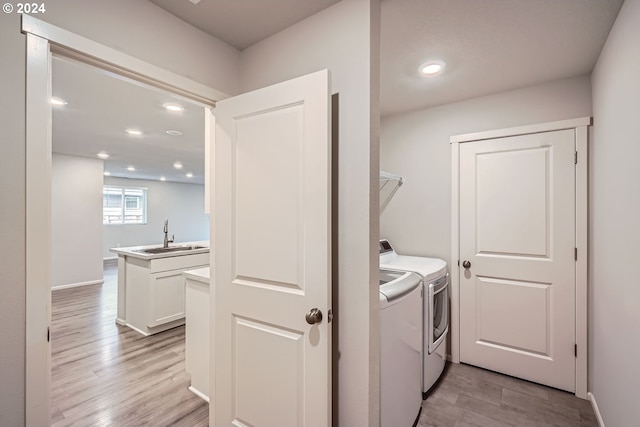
272,255
262,185
517,230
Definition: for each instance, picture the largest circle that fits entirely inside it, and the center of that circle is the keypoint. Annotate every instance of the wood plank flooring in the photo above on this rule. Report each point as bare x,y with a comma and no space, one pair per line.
109,375
467,396
104,374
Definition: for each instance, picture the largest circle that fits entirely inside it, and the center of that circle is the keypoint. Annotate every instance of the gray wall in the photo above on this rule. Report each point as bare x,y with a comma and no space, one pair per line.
138,28
614,326
76,223
415,145
342,39
12,222
181,204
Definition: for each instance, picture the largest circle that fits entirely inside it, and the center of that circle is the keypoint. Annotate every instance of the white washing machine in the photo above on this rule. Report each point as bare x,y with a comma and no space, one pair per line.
400,348
435,310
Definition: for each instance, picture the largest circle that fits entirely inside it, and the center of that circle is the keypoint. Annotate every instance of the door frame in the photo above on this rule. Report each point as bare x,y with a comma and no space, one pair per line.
580,125
41,40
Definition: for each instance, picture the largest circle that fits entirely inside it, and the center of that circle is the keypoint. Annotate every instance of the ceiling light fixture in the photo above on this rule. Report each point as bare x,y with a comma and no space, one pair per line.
173,132
103,155
135,132
107,173
162,178
189,175
177,165
131,169
432,68
173,107
58,101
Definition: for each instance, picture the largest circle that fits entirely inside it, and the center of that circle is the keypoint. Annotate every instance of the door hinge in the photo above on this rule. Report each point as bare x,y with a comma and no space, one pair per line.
575,350
575,253
48,334
575,158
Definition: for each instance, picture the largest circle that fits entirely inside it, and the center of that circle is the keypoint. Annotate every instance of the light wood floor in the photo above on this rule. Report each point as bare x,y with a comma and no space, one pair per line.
108,375
469,396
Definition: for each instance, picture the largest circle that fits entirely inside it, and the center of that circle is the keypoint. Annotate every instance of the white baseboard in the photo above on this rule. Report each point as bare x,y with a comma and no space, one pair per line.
75,285
198,393
594,405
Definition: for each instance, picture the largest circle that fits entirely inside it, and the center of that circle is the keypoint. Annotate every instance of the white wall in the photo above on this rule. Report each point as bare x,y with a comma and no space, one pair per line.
182,204
344,39
76,227
12,222
415,145
147,32
137,28
614,279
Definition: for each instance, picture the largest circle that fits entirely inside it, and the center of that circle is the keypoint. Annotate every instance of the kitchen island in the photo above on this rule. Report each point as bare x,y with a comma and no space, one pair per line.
198,328
151,294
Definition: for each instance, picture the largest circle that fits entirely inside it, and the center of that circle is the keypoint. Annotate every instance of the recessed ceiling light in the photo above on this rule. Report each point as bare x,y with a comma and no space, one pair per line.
134,132
432,68
131,169
173,107
162,178
177,165
173,132
103,155
107,173
58,101
189,175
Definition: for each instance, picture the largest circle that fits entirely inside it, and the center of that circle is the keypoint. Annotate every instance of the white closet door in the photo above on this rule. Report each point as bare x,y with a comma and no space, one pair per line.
517,266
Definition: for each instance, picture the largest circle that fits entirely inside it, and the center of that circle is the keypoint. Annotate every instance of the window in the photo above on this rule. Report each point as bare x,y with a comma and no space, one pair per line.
121,205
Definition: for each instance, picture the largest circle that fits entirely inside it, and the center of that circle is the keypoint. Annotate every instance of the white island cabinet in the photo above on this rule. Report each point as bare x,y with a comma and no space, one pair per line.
151,293
197,359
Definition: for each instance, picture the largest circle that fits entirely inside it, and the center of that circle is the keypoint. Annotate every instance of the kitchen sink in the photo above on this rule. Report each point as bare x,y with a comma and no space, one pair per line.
169,249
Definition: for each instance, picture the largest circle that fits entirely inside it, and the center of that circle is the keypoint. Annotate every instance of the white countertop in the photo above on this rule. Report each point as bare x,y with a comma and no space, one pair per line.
134,251
198,274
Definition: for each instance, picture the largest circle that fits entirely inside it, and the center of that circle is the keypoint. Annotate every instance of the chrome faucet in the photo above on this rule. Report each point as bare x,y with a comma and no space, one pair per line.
166,234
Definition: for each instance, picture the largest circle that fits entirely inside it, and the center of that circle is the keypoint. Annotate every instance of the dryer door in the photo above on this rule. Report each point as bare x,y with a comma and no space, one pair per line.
438,314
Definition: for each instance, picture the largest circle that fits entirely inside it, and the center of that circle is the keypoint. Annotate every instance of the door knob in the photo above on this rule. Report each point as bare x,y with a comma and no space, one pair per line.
466,264
314,316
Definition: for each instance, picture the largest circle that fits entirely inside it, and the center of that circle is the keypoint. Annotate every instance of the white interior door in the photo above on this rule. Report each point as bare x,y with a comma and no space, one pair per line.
517,234
272,256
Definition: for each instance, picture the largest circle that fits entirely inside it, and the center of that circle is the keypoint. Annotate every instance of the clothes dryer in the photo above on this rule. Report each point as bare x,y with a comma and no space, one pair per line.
400,348
435,311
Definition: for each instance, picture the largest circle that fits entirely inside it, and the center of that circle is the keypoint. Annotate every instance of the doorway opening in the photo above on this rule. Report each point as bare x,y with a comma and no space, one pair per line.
42,40
101,370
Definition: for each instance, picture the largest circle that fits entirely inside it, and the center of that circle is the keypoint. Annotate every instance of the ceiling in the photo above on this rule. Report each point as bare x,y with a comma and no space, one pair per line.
242,23
488,46
101,107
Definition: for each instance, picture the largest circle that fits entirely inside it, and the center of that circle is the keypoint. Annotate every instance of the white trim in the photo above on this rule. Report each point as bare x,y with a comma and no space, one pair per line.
596,410
76,285
582,231
77,47
581,205
137,330
454,271
38,232
198,393
41,37
522,130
